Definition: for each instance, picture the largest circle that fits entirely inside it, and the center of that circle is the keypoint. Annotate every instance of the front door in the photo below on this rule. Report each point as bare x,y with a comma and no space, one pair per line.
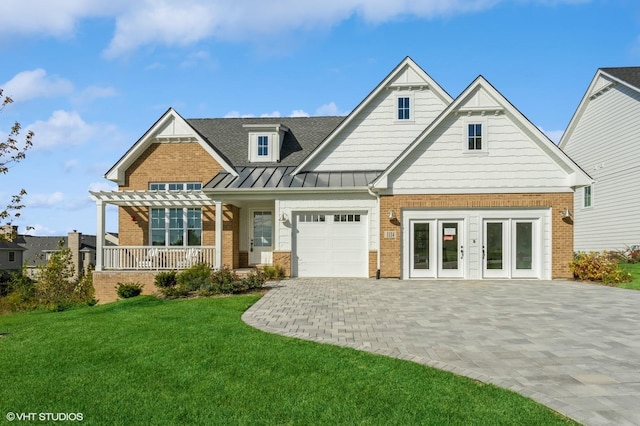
436,249
495,249
261,244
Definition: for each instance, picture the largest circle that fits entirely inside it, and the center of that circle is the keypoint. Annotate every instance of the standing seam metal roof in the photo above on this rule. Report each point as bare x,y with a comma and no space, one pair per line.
280,177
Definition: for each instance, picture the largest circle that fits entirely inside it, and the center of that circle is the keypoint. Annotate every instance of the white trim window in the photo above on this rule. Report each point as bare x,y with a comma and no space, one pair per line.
587,196
475,137
176,226
403,108
175,186
263,146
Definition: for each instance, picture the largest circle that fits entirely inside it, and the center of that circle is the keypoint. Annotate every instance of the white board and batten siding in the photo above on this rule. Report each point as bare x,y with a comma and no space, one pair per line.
375,137
604,143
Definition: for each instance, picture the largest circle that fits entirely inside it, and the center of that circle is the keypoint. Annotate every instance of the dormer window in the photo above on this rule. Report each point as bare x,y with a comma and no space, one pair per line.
265,142
263,146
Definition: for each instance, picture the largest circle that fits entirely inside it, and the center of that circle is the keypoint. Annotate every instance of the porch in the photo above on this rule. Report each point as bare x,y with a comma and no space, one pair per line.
178,250
141,258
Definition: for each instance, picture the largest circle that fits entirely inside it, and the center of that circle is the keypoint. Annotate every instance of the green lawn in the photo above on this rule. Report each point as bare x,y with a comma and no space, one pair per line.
150,361
634,269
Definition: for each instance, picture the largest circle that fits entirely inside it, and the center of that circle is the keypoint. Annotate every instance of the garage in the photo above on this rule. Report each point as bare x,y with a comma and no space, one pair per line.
330,244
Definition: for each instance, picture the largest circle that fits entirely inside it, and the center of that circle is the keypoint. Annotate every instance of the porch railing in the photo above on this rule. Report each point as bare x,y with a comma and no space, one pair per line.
156,258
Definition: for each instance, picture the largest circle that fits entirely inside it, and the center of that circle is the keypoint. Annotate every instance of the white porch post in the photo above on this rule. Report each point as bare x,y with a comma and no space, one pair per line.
100,207
218,264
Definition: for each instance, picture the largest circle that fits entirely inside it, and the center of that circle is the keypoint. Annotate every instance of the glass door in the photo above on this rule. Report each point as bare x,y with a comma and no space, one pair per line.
524,250
261,237
450,249
421,250
495,249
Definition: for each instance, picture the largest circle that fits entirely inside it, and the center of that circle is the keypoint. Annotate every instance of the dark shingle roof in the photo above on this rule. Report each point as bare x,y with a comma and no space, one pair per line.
10,245
230,137
630,75
36,246
280,177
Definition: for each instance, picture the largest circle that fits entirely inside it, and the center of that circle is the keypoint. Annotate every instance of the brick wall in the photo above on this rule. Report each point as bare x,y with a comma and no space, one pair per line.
562,231
105,283
373,263
283,259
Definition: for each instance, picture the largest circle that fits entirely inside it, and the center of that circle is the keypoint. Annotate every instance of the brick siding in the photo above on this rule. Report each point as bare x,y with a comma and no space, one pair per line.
562,231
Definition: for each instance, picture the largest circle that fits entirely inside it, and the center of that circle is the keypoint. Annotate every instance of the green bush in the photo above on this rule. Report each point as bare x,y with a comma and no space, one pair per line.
275,272
127,290
226,280
195,277
255,280
166,279
598,266
21,294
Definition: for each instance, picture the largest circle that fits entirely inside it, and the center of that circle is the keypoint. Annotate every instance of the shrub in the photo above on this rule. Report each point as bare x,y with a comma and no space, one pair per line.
226,280
275,272
195,277
21,294
127,290
598,267
166,279
254,280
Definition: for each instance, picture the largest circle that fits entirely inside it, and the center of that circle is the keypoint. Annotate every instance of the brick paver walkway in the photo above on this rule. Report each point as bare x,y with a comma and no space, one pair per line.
573,347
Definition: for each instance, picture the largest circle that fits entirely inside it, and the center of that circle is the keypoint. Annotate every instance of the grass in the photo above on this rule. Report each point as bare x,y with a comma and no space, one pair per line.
150,361
634,269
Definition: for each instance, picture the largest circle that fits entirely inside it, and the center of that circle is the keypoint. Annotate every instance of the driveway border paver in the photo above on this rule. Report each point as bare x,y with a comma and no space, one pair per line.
573,347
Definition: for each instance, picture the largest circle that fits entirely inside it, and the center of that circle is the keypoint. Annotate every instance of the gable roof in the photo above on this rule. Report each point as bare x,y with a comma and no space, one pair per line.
628,76
500,104
402,66
170,117
36,246
231,137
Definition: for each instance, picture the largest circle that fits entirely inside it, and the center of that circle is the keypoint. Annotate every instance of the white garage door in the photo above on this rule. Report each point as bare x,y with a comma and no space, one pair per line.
330,245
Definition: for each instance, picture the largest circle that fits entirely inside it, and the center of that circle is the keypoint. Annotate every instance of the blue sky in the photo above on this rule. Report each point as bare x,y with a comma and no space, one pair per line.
90,77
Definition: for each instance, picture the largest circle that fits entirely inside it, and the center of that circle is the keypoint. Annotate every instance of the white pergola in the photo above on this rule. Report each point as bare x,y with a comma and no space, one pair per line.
194,198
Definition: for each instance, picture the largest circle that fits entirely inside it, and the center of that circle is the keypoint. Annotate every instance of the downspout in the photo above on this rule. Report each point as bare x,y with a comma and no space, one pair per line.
377,196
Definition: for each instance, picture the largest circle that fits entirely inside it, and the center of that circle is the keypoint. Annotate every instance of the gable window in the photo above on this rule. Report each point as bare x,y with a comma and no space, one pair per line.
263,146
176,226
474,137
586,201
404,108
175,186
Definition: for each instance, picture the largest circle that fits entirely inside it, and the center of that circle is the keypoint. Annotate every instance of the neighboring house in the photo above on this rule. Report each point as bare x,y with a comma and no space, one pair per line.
411,184
602,139
10,251
38,250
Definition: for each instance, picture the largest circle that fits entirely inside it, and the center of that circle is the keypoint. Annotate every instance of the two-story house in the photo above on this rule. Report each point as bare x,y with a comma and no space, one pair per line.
601,138
411,184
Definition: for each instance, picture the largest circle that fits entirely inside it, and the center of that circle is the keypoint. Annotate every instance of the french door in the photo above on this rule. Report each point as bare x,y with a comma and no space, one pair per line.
510,248
436,249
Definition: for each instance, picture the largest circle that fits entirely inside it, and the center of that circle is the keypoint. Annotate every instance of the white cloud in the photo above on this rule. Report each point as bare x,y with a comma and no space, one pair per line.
554,135
271,114
170,23
43,200
39,229
236,114
69,165
66,128
95,92
330,109
36,83
299,113
102,186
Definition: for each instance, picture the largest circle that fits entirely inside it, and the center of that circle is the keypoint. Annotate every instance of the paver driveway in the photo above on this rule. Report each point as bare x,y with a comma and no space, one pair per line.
573,347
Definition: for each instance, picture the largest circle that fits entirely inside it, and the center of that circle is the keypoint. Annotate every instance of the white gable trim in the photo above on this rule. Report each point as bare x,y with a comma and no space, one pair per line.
589,95
385,84
117,172
577,177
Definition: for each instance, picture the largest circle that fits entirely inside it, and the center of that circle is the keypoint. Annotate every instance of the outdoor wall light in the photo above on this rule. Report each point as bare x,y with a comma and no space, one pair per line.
392,214
565,213
283,217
